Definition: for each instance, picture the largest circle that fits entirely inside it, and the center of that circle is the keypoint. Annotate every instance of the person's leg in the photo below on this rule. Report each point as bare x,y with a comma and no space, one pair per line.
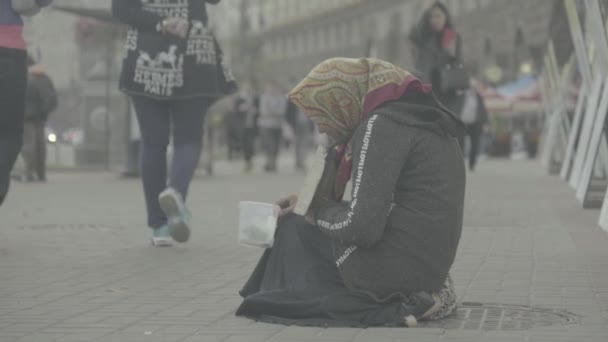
29,149
267,143
248,148
188,119
299,142
230,135
154,123
13,81
276,135
302,137
475,137
41,151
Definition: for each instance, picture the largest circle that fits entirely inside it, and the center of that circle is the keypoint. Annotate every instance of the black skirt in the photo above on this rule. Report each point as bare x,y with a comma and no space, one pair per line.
297,282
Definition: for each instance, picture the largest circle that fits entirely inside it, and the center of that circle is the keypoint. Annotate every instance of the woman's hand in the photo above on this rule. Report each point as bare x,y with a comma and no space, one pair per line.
176,26
287,205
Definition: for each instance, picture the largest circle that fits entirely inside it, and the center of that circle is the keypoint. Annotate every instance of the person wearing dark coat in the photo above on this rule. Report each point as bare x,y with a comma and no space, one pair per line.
437,45
13,84
40,102
171,73
383,257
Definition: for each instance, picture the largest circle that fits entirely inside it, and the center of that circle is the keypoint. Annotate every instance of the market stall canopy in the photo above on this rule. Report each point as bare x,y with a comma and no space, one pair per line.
494,102
519,97
524,88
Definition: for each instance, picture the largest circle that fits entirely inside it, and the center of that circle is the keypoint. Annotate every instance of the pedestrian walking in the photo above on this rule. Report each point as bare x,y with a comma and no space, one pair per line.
303,131
438,56
172,72
247,103
475,117
273,104
13,83
41,101
235,126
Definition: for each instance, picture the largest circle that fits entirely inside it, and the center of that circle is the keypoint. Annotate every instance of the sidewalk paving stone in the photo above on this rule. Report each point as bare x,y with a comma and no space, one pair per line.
75,263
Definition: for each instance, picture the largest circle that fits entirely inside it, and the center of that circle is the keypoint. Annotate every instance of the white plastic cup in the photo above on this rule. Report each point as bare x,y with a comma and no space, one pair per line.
257,223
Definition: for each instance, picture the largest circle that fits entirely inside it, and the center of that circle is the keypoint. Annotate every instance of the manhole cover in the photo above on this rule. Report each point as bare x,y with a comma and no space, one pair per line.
71,227
479,316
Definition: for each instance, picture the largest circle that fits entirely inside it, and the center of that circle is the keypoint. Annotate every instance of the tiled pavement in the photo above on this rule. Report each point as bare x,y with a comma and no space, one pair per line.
75,264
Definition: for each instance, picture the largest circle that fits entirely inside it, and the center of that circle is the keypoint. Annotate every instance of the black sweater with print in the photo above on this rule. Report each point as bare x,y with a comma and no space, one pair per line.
163,66
400,231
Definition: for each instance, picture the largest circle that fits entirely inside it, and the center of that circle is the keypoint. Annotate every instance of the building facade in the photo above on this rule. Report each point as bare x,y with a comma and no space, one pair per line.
284,38
281,39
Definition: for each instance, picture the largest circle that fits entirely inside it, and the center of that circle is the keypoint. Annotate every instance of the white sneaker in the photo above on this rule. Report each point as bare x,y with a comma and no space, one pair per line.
161,237
178,216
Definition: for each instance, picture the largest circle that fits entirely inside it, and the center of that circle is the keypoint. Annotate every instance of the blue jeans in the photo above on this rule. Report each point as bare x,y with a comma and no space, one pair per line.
13,82
158,120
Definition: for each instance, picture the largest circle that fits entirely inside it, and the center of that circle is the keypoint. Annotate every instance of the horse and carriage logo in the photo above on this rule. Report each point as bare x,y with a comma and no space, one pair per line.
163,61
161,74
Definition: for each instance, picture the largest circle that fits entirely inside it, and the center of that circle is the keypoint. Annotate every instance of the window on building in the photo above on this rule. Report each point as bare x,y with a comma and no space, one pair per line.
343,37
291,46
280,48
310,41
488,49
321,39
270,17
274,49
333,37
300,44
267,50
355,32
454,8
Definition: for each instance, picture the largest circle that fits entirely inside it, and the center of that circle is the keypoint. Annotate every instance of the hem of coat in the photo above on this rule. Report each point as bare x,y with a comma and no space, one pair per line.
316,322
171,98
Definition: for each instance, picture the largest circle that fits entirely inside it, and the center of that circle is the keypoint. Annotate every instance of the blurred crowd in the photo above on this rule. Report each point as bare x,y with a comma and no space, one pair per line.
261,121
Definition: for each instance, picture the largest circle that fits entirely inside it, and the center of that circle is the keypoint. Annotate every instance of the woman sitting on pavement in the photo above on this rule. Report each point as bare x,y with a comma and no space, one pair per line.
381,259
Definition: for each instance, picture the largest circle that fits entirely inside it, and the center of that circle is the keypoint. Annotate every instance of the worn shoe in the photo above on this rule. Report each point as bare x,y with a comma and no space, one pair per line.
445,302
415,306
178,216
161,237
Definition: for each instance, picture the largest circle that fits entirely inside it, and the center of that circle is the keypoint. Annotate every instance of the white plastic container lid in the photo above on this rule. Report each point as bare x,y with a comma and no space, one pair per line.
257,223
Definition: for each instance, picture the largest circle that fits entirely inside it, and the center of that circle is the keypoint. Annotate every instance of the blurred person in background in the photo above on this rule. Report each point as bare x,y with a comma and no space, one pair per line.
171,72
475,117
13,83
235,128
303,131
302,134
273,105
40,102
247,103
438,47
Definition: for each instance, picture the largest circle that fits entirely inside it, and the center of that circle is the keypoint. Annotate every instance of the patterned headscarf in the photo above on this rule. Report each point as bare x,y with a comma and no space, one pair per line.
340,93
